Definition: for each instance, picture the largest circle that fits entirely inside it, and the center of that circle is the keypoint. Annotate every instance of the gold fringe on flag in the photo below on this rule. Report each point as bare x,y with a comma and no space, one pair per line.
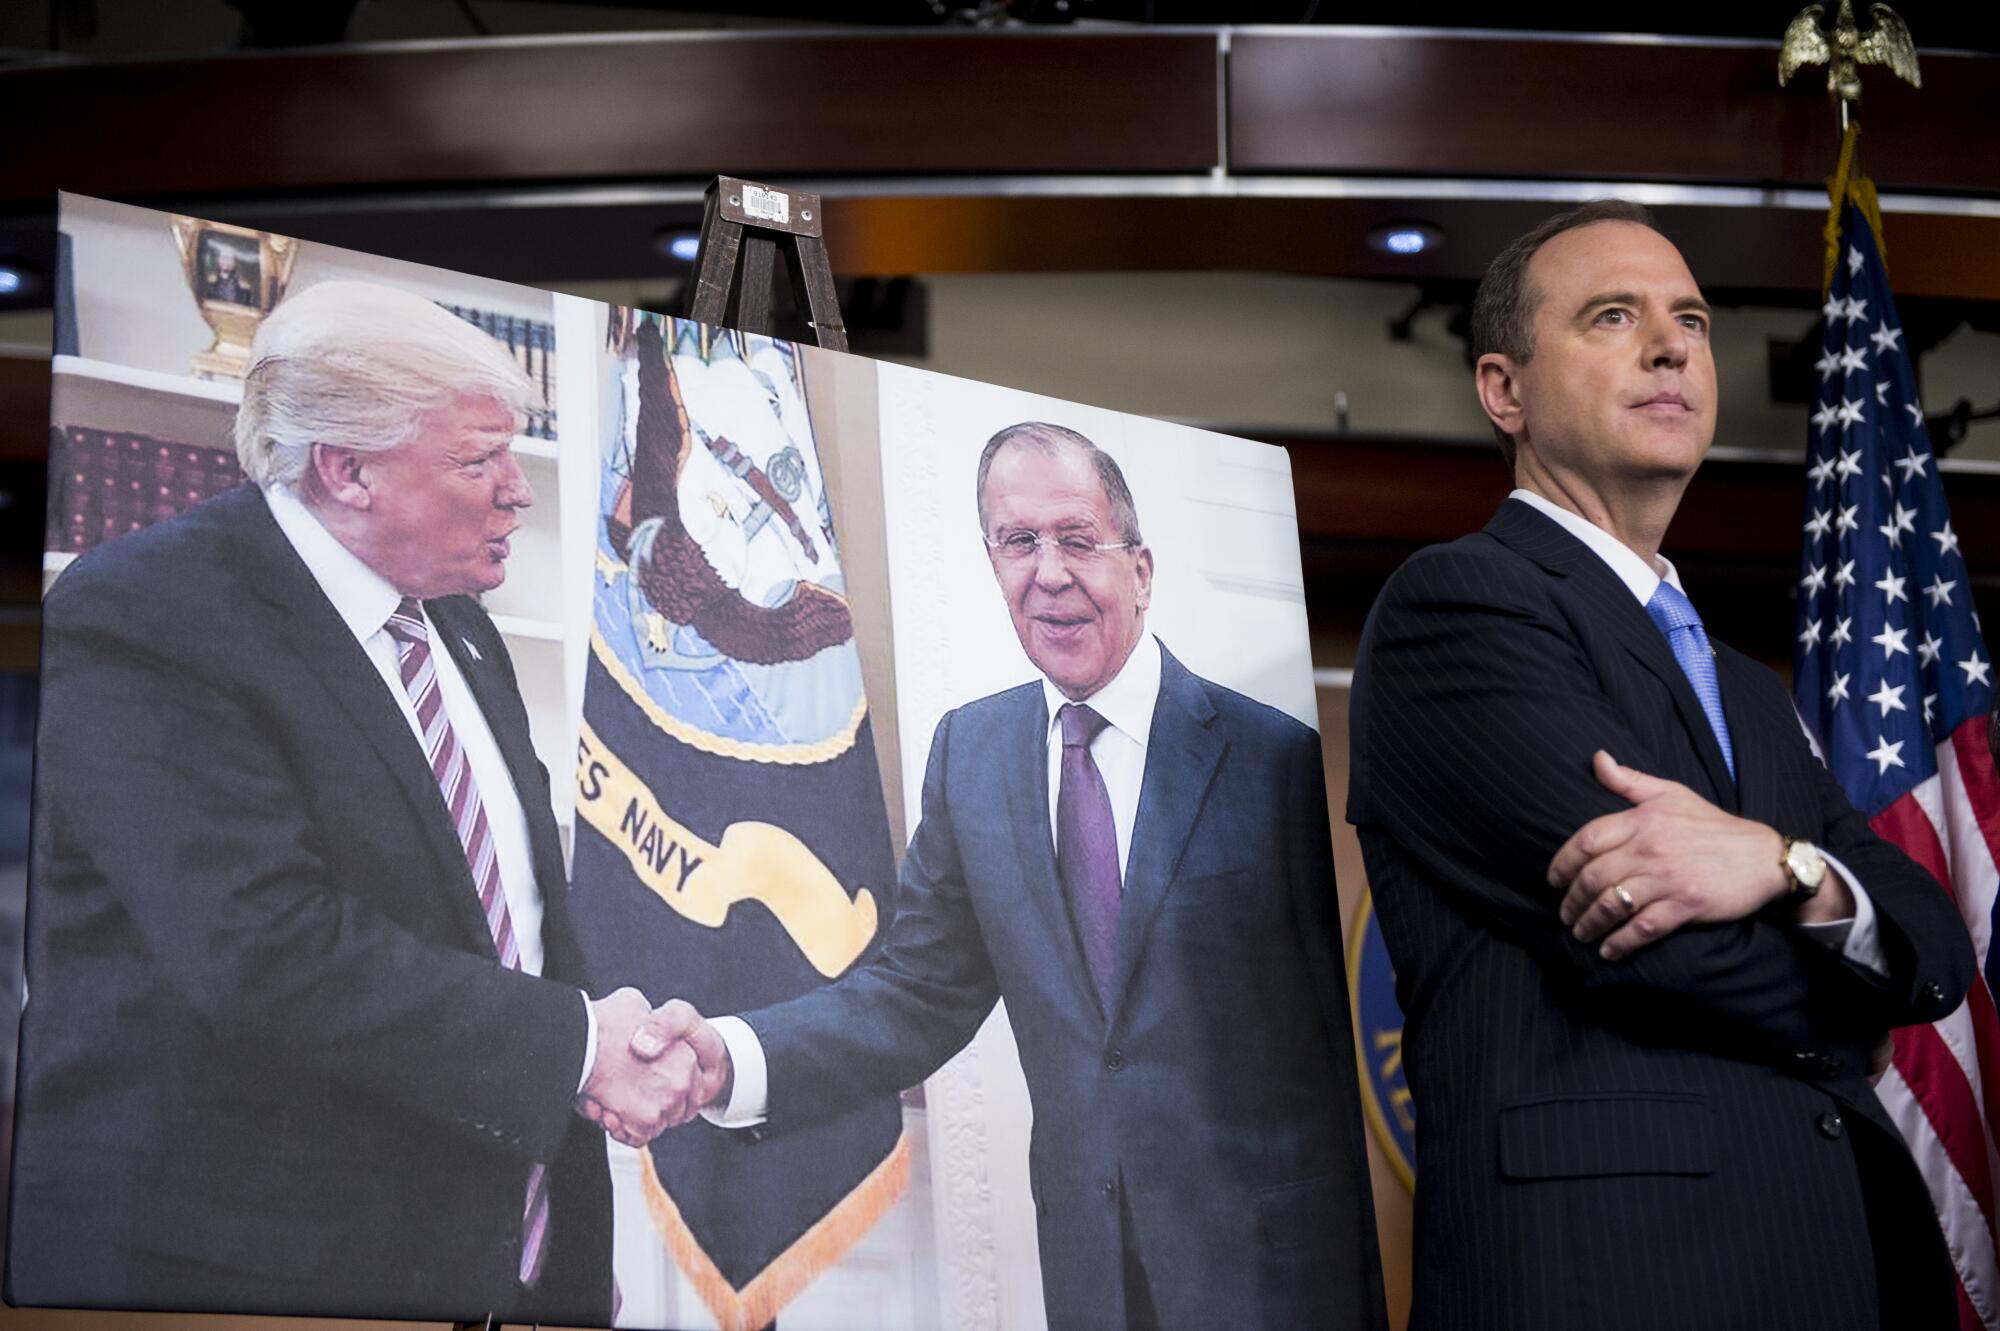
757,1303
1849,183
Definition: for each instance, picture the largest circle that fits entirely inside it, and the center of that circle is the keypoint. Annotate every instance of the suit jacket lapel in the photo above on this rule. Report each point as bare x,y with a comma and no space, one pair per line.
499,700
1026,769
1606,600
274,571
1643,639
1181,757
1756,786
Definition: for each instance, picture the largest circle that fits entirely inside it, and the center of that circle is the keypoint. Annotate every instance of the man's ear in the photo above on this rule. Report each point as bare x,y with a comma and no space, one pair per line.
1498,383
1143,598
338,475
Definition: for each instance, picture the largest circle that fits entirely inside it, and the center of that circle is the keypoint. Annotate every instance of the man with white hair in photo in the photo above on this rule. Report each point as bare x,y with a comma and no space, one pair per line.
305,1030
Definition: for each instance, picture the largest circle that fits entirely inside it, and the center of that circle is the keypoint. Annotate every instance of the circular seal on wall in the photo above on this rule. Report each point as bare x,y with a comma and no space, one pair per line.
1378,1043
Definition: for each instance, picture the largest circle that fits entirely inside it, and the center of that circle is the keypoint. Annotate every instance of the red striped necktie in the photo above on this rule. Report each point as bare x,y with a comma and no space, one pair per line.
453,771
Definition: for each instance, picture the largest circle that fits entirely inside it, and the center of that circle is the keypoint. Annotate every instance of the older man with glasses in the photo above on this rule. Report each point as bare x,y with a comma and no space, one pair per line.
1137,860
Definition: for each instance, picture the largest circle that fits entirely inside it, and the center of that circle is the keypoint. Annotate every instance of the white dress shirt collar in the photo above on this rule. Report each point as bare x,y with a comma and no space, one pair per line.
1127,702
363,598
1631,570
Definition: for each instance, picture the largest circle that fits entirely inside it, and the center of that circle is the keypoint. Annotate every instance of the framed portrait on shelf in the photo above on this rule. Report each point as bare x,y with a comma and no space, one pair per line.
236,275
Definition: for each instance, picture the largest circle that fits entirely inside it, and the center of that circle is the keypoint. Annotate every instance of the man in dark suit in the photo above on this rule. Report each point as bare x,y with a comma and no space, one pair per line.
304,1031
1138,861
1643,944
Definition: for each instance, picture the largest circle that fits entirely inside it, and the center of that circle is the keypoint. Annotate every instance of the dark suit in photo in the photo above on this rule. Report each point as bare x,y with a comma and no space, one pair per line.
270,1061
1682,1138
1206,1129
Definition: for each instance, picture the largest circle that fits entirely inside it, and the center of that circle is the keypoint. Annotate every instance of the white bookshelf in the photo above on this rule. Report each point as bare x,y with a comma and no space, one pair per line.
148,381
537,630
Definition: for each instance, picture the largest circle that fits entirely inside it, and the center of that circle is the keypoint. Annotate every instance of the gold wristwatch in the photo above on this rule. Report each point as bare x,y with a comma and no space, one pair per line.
1804,865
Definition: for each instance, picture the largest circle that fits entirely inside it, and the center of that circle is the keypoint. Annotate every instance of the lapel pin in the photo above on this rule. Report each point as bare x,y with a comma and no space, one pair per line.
472,649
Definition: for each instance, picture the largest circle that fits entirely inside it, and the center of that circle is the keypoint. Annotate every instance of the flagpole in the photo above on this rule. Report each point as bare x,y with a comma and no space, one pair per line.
1843,47
1891,673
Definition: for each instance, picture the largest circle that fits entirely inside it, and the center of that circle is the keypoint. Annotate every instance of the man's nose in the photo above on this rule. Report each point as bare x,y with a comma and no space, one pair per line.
1667,343
1051,569
514,490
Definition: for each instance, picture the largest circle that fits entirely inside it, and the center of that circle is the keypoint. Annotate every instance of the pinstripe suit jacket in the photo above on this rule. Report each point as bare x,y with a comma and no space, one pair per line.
1685,1138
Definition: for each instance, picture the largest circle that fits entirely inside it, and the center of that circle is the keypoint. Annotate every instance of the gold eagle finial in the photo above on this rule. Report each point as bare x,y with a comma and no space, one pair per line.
1846,48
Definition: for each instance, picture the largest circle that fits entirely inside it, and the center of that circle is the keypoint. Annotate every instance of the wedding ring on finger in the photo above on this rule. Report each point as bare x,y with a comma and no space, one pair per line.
1624,898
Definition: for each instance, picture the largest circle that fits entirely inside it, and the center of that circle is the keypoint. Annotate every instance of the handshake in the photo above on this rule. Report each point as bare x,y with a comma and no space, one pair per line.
655,1068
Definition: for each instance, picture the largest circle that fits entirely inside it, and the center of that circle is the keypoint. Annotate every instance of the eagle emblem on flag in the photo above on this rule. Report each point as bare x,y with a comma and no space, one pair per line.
732,843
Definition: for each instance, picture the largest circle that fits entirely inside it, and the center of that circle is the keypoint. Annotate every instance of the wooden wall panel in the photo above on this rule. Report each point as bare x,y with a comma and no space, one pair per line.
885,102
1368,502
650,106
1327,101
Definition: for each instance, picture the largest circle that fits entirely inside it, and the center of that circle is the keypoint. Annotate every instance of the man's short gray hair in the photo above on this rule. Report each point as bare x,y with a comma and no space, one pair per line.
1052,439
1503,309
359,366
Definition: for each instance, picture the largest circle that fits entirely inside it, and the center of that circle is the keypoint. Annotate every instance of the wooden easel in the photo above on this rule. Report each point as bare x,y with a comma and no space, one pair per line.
744,225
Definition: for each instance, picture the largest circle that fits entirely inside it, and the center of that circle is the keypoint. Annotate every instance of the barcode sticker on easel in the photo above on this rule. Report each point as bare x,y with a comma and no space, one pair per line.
768,205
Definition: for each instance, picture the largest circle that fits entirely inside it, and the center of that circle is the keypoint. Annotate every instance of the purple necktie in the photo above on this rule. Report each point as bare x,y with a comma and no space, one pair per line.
1087,847
453,771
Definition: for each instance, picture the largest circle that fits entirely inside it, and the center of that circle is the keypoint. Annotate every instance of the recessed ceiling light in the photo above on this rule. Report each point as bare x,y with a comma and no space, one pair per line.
15,281
1405,238
678,242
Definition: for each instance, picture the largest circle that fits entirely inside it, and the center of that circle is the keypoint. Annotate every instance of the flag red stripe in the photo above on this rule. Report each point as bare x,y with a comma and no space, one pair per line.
1906,824
1935,1079
1940,1088
1986,1040
1968,1320
1982,785
1982,794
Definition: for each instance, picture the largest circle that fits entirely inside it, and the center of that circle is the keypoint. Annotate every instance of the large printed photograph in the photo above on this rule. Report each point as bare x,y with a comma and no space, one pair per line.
550,811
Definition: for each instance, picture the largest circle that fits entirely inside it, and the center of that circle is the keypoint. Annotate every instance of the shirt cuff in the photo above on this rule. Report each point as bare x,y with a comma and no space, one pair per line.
589,1042
748,1086
1856,937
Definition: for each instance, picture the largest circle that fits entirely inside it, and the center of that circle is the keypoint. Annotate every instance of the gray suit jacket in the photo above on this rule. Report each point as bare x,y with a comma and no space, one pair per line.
1214,1109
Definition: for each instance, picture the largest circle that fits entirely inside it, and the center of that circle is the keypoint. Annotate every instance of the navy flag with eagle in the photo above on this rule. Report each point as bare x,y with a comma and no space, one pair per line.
732,843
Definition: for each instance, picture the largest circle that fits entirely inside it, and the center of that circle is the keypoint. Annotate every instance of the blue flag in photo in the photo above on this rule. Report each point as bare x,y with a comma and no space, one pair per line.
732,844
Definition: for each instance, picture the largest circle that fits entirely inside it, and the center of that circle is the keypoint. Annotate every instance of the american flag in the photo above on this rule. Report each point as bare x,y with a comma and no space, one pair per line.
1893,678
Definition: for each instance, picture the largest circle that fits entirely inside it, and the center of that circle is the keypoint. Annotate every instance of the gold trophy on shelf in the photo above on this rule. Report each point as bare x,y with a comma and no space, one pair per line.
236,275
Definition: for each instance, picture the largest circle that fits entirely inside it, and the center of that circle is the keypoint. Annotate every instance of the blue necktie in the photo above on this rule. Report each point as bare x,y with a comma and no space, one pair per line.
1675,615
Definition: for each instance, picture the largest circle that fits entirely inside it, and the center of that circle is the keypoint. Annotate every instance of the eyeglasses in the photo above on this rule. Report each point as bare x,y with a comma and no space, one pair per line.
1073,548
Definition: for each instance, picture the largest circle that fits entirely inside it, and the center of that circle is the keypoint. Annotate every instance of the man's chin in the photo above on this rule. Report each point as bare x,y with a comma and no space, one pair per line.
478,581
1068,671
1665,457
1055,646
1674,440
